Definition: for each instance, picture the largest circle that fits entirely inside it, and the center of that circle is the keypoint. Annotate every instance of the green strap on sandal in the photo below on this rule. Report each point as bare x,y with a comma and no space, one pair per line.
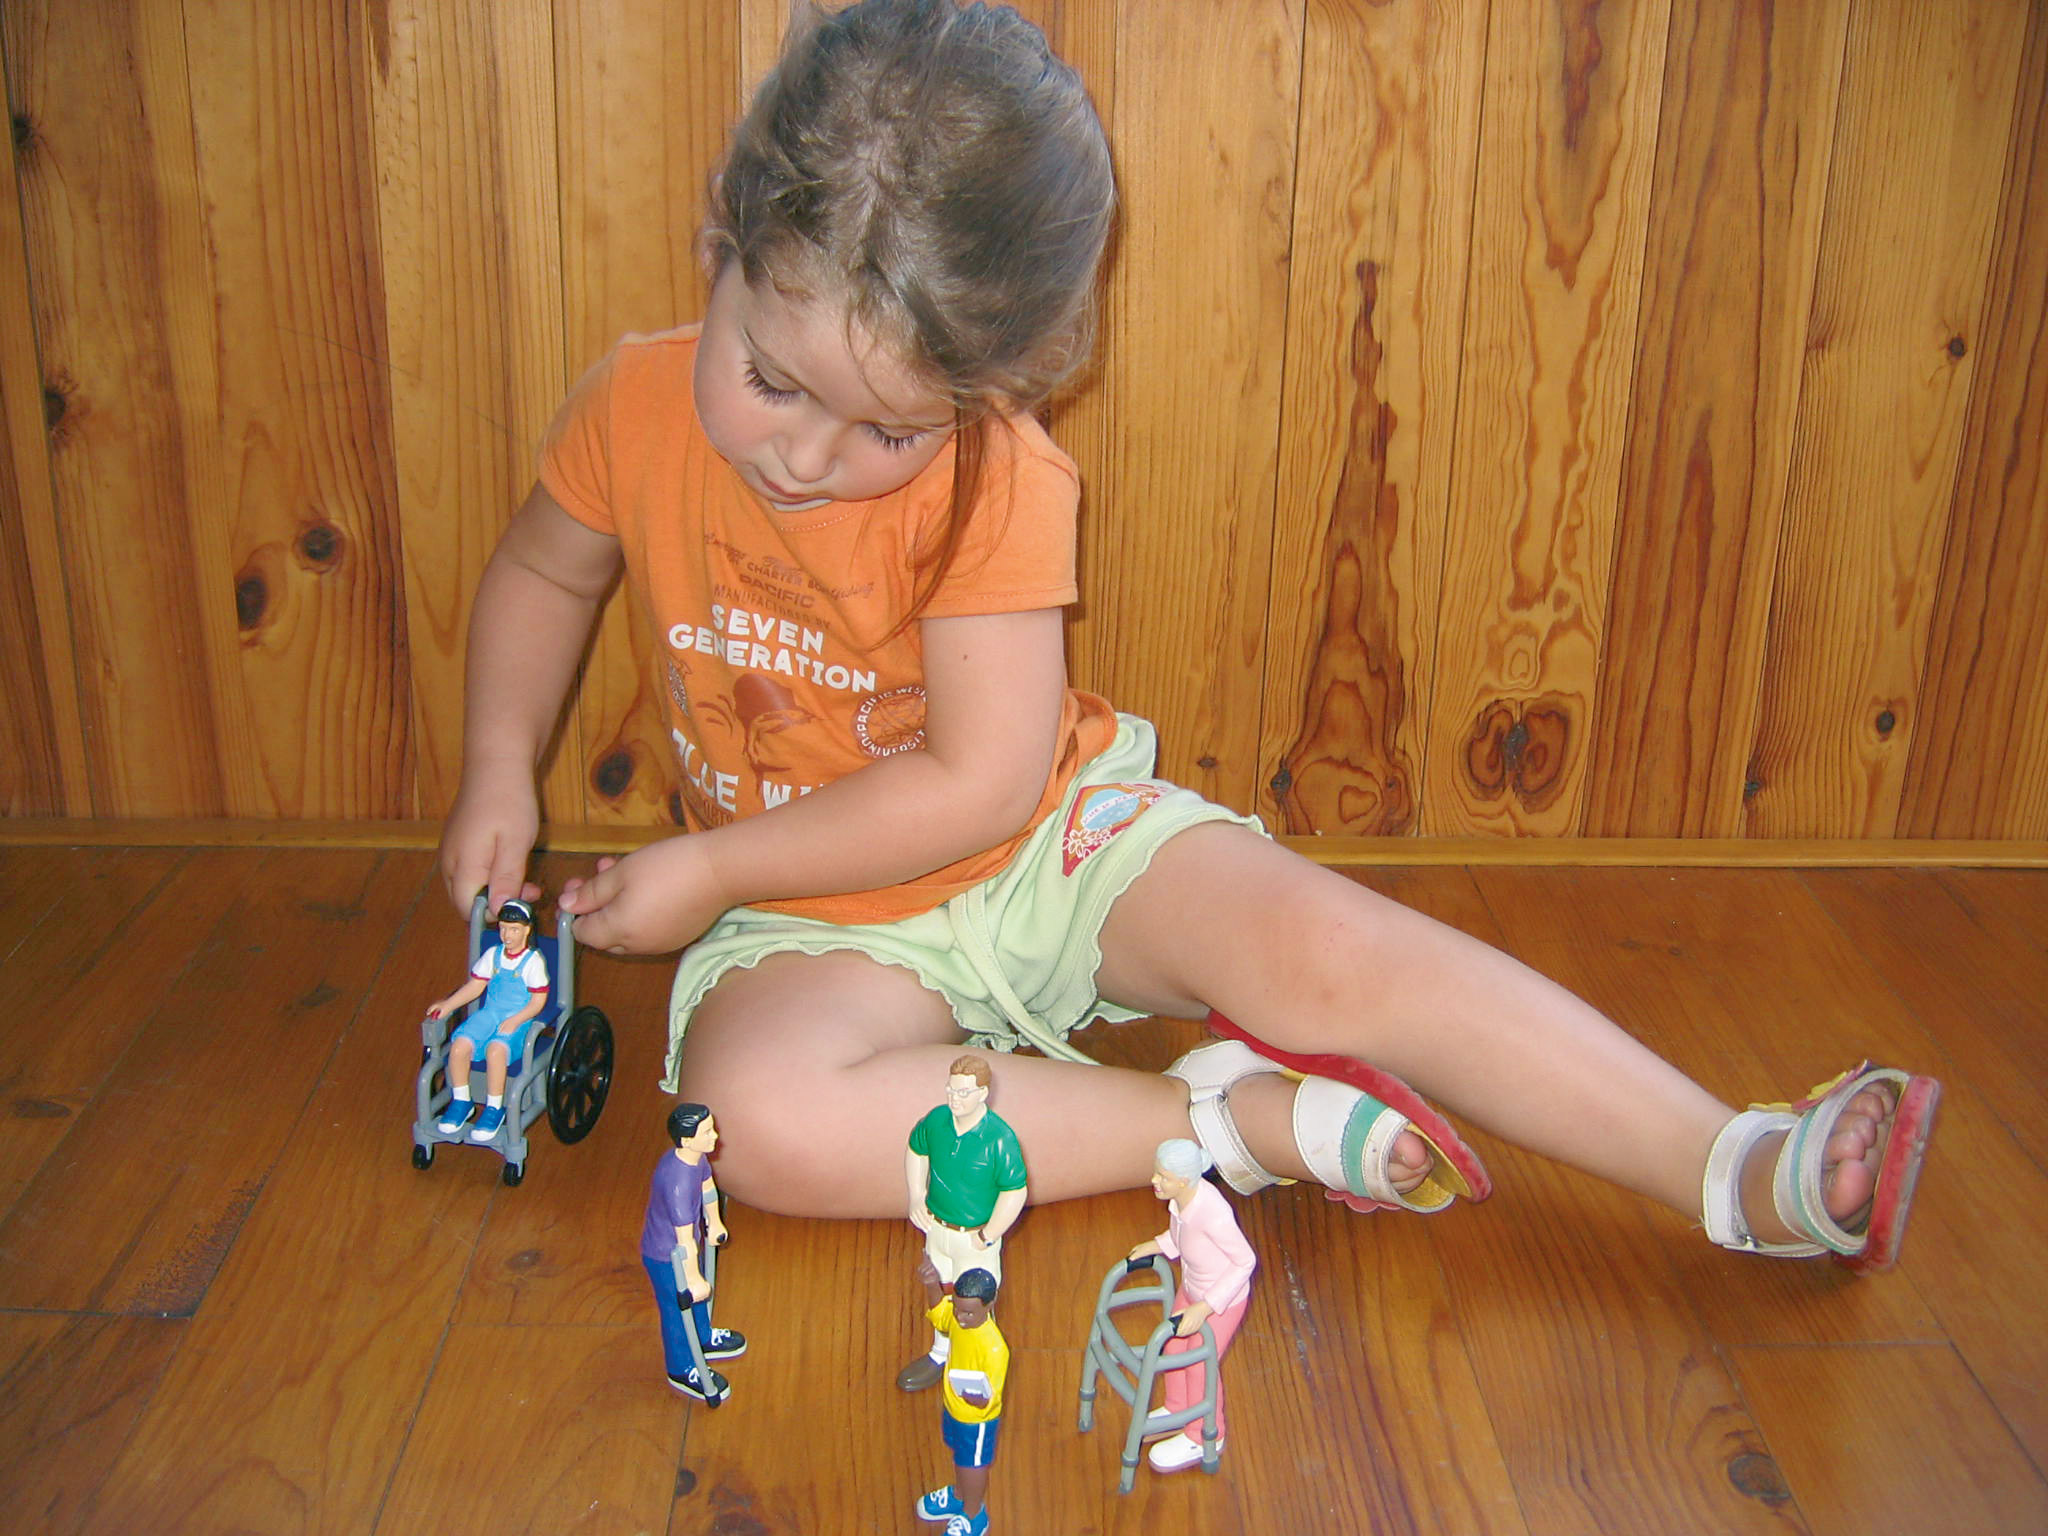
1798,1182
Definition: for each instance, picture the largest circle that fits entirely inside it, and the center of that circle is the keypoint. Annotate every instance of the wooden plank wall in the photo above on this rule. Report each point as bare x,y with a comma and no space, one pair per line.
1514,417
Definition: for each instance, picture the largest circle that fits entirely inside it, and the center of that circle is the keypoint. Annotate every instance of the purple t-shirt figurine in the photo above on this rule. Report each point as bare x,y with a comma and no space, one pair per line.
676,1200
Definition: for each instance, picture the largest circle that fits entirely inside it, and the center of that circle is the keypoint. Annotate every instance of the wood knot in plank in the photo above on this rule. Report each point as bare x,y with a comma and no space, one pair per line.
320,546
1520,747
258,586
319,997
733,1512
40,1109
613,773
1756,1476
252,597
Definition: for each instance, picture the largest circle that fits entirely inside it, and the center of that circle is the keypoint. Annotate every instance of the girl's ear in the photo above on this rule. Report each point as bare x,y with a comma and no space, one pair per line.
711,250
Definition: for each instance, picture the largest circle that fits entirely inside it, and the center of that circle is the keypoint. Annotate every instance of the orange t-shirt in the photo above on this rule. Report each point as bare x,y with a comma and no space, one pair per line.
778,669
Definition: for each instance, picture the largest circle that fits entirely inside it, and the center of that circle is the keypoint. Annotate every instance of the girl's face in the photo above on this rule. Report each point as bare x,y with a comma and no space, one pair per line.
803,416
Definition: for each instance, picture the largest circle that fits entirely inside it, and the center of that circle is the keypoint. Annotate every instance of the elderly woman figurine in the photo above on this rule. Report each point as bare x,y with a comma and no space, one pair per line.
1216,1265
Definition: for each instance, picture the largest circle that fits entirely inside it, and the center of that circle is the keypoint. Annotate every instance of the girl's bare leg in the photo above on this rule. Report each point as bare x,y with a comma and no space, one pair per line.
818,1066
1310,961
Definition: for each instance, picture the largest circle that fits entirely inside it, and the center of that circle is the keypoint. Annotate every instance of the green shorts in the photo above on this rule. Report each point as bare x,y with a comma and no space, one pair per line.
1015,956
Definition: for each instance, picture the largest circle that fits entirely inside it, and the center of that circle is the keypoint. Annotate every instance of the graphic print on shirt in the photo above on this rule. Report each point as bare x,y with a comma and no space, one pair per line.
760,709
892,722
1100,812
761,700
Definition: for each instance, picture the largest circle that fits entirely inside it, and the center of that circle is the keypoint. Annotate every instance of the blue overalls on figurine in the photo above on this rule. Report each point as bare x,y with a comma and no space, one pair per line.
513,979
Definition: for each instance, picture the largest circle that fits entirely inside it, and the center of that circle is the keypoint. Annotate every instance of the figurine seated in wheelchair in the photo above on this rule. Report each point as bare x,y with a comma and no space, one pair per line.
490,1068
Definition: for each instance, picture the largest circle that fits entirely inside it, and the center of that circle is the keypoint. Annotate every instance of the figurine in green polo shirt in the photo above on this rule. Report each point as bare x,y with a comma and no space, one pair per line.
966,1175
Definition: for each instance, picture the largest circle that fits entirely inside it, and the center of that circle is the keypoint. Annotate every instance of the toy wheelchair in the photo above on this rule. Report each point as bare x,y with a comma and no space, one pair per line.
564,1069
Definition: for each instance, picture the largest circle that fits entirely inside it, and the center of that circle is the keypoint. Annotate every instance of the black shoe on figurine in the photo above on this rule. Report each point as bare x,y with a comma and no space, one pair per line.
921,1373
689,1386
726,1344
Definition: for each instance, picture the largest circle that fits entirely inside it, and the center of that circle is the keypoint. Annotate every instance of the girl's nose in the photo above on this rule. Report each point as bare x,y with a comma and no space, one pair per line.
807,451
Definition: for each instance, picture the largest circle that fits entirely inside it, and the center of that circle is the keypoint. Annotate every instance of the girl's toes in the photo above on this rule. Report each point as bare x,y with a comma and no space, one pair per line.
1853,1136
1850,1183
1409,1161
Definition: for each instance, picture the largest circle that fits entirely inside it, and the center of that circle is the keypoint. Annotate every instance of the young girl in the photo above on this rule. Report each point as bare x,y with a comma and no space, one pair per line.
852,544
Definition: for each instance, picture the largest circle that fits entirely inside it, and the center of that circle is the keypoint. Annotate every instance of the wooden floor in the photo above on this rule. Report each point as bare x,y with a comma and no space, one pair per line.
229,1303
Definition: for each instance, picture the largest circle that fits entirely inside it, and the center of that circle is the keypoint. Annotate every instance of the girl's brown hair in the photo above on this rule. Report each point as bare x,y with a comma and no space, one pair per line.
938,171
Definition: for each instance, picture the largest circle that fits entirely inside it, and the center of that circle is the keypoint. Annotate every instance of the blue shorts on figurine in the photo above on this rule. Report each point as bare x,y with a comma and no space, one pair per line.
972,1445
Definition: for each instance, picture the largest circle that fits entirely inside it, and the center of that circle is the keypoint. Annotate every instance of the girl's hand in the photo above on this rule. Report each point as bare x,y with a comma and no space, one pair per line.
654,900
487,839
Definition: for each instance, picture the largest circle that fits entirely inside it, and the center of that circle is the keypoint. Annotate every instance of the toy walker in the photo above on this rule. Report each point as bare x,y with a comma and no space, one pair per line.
1132,1371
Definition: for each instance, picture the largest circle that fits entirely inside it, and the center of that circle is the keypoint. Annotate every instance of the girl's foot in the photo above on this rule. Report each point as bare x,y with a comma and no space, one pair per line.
1832,1174
1850,1162
1266,1115
1264,1109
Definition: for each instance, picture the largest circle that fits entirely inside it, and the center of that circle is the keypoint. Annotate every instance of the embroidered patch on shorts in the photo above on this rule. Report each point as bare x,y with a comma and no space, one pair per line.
1100,812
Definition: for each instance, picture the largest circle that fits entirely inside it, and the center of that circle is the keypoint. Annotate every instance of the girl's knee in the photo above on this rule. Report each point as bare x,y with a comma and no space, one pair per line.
782,1143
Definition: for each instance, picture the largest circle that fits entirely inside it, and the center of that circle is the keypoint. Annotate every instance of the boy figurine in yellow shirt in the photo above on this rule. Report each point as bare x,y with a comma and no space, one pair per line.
971,1395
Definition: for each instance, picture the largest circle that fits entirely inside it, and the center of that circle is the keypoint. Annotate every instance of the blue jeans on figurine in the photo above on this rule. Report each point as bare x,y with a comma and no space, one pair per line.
677,1312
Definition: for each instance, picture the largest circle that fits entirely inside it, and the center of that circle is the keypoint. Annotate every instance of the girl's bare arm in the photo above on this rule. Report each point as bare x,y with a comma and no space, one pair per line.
534,608
994,685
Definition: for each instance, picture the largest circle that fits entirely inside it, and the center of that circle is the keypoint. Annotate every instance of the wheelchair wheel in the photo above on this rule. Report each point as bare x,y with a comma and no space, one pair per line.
580,1076
422,1157
514,1172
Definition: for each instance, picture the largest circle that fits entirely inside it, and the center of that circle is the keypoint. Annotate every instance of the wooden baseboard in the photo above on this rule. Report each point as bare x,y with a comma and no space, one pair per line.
1675,852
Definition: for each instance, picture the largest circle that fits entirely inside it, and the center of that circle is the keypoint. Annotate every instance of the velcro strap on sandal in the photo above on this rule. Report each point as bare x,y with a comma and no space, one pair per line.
1218,1135
1720,1189
1210,1071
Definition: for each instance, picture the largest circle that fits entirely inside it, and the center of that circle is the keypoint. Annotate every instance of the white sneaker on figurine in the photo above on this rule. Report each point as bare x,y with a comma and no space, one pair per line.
1178,1453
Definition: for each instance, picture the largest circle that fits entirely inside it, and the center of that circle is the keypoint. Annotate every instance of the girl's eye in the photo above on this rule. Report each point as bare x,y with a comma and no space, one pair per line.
767,391
894,444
